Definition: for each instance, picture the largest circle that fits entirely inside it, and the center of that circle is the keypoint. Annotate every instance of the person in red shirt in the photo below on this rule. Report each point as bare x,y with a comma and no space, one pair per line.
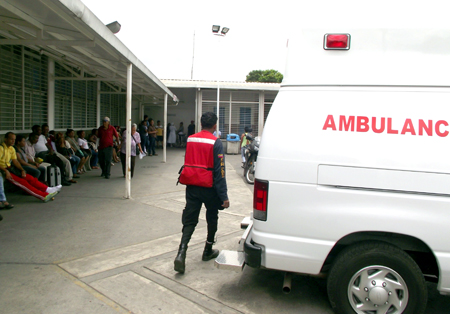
203,174
105,148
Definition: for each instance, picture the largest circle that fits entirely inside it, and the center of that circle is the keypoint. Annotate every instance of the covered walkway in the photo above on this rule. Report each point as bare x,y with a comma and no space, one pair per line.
59,64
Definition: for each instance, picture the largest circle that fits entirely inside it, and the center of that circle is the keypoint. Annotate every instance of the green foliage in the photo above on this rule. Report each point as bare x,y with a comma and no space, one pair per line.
264,76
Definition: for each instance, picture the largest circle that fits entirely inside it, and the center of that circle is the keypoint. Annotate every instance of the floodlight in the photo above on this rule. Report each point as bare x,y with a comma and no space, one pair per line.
225,30
114,27
216,28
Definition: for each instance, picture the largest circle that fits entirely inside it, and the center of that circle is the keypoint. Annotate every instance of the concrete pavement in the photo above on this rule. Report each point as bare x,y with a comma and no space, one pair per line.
91,251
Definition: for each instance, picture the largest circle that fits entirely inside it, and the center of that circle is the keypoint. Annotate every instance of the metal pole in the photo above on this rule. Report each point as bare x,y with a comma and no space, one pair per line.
51,94
218,105
128,134
218,90
165,131
193,54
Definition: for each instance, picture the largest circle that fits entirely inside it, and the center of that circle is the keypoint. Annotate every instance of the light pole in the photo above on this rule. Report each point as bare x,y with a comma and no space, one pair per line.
219,32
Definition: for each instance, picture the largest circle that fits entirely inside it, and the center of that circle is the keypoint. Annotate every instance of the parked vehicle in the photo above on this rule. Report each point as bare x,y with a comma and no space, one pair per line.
363,194
251,156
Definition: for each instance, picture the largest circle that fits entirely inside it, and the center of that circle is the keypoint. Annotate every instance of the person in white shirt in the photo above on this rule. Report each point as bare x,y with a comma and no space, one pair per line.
215,134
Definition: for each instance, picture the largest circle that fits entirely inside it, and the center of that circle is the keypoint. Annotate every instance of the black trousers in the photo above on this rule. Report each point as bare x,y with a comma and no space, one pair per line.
123,159
195,197
104,159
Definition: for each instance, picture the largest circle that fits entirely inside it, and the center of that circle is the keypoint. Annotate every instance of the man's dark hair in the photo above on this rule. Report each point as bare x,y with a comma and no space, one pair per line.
32,135
208,120
35,127
145,117
44,125
19,138
7,134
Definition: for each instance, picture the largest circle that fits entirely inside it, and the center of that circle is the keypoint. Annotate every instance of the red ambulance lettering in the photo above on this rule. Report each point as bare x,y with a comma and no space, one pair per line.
349,124
365,124
389,129
362,124
329,123
408,127
437,128
382,126
428,128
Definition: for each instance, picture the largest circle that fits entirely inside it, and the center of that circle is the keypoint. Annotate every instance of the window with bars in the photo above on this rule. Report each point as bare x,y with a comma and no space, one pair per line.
23,88
113,105
75,101
238,109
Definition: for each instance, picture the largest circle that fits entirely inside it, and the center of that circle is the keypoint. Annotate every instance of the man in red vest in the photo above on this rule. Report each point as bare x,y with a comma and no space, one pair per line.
203,174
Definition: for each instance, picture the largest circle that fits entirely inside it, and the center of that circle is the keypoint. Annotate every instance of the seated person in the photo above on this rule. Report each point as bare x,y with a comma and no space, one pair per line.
92,142
31,166
4,203
116,146
83,143
51,143
46,152
13,172
70,138
66,151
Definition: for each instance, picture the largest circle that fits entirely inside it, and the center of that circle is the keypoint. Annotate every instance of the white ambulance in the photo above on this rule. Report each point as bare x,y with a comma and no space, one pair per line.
353,172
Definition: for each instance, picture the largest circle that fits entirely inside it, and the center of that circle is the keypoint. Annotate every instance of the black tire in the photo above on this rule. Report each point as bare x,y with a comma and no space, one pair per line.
376,258
249,177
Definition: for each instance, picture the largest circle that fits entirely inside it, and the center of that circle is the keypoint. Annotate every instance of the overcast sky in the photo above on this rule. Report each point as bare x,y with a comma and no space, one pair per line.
161,33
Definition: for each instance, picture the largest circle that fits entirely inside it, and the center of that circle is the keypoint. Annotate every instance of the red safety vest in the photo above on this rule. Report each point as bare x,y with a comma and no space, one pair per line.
198,166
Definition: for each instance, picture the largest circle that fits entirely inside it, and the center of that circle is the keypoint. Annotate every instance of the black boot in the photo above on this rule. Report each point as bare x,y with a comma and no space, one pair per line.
209,253
180,260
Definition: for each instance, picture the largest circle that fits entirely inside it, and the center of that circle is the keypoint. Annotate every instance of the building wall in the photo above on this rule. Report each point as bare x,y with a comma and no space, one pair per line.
238,109
24,94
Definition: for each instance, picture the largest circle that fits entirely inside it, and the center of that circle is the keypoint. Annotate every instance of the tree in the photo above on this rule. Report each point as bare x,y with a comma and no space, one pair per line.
264,76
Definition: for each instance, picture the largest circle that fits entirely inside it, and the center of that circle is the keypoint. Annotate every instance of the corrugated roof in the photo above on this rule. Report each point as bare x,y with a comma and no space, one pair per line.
223,85
69,32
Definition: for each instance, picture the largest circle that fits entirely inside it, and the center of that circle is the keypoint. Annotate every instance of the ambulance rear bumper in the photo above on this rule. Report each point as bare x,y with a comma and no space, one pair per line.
252,252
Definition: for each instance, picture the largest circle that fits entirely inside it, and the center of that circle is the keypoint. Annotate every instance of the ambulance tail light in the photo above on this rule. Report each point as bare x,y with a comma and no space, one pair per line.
260,195
336,42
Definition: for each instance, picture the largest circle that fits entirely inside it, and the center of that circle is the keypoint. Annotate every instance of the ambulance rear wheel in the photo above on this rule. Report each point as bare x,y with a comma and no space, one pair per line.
376,277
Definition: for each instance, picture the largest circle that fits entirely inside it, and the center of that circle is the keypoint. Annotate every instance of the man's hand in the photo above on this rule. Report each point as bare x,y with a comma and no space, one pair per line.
226,204
8,175
24,174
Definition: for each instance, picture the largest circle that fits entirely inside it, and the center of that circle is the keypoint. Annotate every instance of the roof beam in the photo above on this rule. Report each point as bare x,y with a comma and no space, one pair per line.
15,31
105,79
69,19
57,30
21,14
46,42
124,93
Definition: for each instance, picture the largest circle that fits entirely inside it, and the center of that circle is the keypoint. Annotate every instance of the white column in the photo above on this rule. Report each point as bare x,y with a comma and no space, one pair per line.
231,108
218,106
198,123
165,131
261,113
128,134
51,94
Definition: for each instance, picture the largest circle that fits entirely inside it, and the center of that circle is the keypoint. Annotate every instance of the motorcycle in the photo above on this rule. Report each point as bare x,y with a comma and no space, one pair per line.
251,155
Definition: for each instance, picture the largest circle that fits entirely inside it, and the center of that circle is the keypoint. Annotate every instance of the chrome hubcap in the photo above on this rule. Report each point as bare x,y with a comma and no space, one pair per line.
377,290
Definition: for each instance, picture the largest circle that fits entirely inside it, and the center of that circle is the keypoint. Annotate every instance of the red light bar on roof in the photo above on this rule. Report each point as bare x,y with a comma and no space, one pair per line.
336,42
